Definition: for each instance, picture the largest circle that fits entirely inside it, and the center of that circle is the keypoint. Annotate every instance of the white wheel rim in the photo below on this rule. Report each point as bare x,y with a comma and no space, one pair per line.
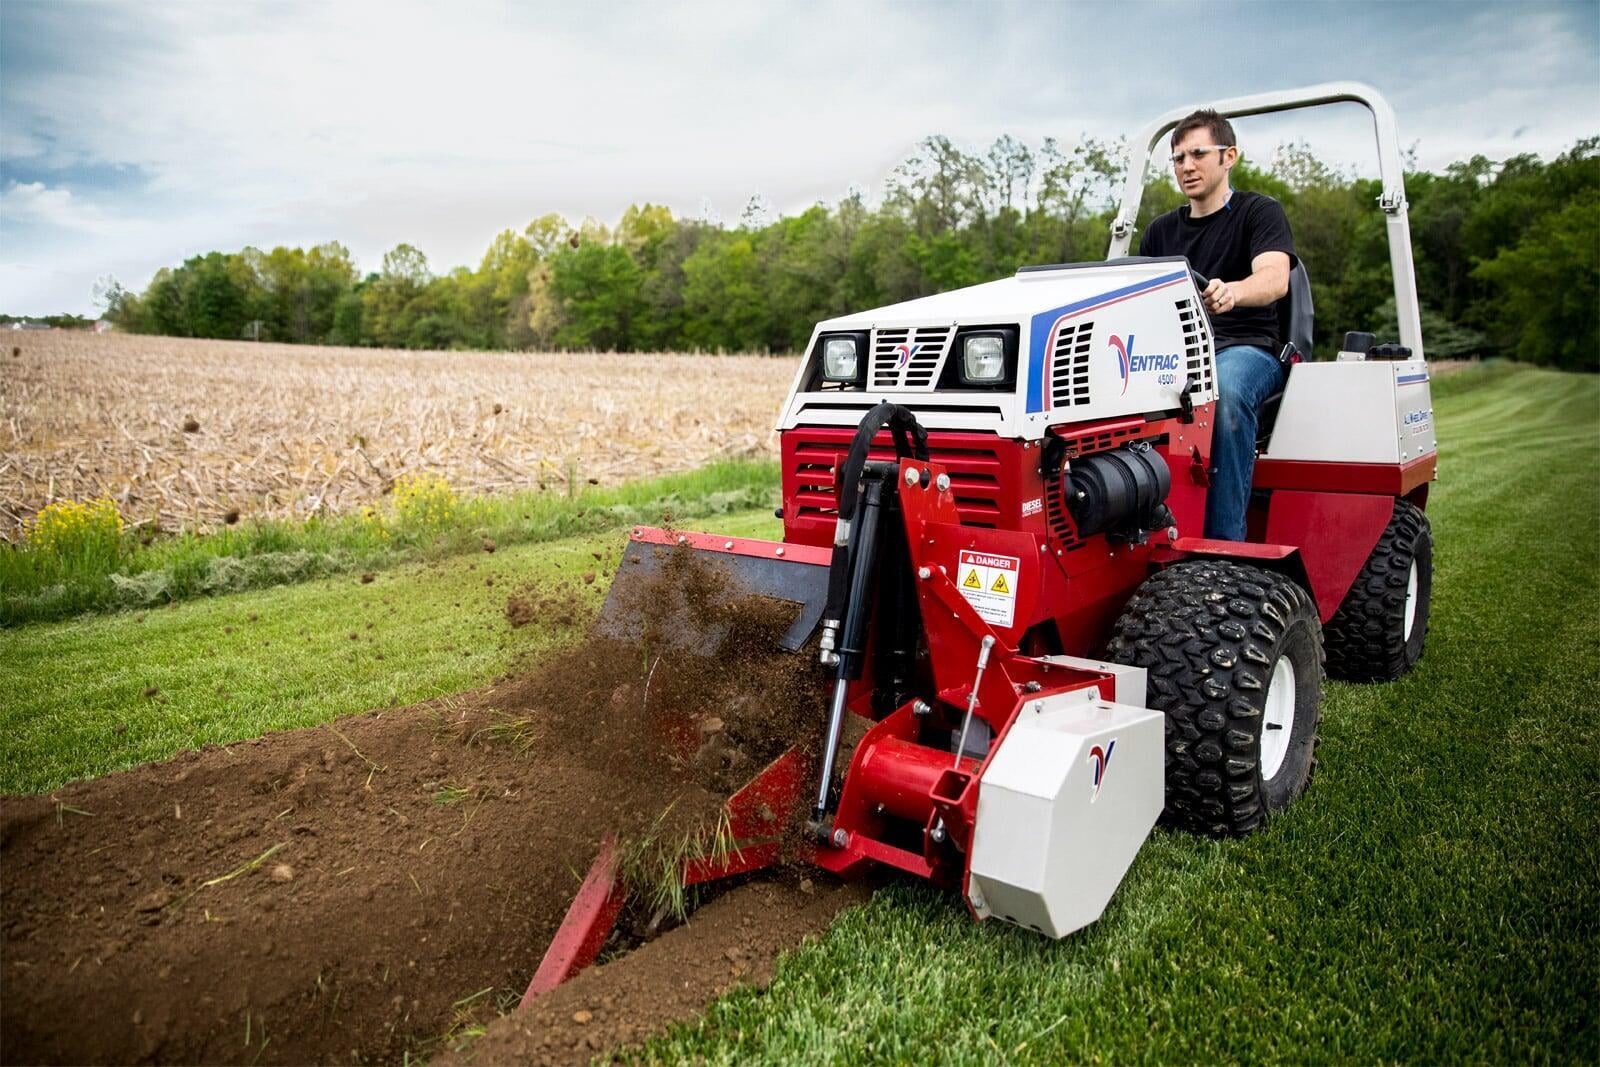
1411,599
1277,719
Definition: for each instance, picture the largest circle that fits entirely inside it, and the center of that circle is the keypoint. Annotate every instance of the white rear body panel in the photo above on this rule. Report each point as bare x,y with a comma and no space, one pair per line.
1366,411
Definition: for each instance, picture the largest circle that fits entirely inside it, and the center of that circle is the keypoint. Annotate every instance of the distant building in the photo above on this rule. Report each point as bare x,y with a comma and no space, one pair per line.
26,324
102,326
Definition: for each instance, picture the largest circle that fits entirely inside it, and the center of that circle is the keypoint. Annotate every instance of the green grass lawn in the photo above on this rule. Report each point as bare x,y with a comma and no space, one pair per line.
1433,897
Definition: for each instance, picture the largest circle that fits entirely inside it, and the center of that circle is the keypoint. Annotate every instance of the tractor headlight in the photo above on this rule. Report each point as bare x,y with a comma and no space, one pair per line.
983,359
841,357
983,356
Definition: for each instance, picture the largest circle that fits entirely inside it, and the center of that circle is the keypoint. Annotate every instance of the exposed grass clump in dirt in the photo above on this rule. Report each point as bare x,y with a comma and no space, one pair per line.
136,567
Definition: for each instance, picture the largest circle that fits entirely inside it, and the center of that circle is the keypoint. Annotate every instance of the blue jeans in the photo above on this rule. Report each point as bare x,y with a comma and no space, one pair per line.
1246,377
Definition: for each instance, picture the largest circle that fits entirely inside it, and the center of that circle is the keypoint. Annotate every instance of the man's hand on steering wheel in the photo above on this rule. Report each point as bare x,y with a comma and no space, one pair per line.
1219,297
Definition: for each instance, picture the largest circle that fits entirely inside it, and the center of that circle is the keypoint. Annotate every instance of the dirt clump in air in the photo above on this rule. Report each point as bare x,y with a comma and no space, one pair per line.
367,889
691,683
520,611
549,606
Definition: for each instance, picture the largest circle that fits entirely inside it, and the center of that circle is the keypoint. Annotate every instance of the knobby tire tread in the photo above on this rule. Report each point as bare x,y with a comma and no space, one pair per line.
1366,638
1206,632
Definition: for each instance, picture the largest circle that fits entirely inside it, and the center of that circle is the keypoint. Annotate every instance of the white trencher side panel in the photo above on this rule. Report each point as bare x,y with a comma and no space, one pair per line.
1390,171
1381,410
1063,807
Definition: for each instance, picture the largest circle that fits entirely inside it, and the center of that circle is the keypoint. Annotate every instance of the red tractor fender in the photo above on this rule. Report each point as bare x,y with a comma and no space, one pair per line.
1283,559
1319,539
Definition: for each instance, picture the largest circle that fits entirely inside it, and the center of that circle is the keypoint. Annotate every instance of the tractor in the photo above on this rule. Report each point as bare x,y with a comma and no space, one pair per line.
991,501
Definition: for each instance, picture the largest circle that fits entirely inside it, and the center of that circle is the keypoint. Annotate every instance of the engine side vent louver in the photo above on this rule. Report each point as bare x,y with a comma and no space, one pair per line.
976,473
909,358
1069,365
1196,331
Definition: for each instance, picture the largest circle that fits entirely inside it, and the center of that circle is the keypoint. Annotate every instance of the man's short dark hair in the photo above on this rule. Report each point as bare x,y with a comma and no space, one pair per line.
1220,129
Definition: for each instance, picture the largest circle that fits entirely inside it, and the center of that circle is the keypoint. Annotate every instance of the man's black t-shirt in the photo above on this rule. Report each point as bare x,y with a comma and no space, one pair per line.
1222,245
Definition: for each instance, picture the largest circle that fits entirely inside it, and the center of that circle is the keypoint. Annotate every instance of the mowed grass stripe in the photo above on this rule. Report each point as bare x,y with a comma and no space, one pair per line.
1432,898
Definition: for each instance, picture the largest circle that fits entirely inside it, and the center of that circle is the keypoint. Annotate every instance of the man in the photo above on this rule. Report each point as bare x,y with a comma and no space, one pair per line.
1241,242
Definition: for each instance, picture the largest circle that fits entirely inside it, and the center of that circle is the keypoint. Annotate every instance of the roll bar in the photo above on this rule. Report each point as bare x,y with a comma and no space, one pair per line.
1392,201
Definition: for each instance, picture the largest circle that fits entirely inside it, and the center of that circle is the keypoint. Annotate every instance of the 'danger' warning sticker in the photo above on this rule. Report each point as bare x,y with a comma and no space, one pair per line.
990,585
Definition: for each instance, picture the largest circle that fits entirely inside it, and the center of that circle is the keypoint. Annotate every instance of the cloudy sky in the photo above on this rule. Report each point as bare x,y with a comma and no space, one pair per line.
134,135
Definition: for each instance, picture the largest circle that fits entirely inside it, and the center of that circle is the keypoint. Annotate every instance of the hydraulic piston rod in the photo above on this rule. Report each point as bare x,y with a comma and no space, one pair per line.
863,555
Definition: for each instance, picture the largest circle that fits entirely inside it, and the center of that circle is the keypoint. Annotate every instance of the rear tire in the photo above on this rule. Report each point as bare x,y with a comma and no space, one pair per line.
1379,630
1233,656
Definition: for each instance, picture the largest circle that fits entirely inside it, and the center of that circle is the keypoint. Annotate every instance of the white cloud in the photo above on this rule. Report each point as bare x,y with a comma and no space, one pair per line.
37,203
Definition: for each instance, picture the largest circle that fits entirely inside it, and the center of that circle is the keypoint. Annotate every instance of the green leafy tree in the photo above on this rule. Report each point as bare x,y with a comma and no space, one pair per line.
1547,288
391,303
598,288
725,306
1504,258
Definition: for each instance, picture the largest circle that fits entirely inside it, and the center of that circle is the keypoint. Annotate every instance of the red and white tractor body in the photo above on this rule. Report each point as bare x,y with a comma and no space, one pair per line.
993,514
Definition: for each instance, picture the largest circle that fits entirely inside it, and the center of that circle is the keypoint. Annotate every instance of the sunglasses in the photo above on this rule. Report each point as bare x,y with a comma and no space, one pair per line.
1199,154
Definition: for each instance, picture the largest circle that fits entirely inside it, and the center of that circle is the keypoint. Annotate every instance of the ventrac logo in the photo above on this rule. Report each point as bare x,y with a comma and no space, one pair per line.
1099,759
1129,363
903,354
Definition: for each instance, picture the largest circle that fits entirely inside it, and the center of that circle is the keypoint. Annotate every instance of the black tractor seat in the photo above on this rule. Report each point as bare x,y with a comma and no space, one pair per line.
1295,313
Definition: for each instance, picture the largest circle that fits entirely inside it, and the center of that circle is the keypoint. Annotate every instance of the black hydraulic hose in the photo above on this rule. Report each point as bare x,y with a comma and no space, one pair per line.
855,554
851,658
910,439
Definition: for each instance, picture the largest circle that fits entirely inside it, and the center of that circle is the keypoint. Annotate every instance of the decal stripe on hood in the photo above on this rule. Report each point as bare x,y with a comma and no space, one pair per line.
1046,323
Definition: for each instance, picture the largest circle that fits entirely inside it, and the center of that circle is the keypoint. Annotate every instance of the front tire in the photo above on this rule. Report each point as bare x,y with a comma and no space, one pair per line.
1233,656
1379,630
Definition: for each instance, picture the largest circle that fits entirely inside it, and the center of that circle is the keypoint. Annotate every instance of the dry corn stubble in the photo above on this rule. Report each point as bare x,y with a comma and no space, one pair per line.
183,432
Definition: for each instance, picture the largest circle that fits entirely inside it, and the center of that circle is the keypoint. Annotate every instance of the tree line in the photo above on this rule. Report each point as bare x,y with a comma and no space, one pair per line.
1507,259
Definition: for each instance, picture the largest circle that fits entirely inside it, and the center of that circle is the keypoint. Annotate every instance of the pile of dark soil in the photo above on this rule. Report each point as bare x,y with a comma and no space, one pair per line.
370,889
734,940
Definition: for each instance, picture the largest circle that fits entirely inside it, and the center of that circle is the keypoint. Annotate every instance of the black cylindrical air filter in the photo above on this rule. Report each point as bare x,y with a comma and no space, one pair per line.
1116,490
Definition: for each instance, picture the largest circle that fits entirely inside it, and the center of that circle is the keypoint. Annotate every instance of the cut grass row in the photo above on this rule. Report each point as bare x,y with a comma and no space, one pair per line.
38,586
1433,896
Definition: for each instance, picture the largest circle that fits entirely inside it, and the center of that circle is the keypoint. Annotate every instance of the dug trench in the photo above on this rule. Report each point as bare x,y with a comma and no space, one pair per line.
382,887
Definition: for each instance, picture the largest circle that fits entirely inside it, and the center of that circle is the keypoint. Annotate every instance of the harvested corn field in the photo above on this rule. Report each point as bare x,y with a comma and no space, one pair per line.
192,433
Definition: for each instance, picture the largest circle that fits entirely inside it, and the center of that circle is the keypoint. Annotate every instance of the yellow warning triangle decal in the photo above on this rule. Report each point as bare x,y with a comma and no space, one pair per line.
972,581
1000,585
